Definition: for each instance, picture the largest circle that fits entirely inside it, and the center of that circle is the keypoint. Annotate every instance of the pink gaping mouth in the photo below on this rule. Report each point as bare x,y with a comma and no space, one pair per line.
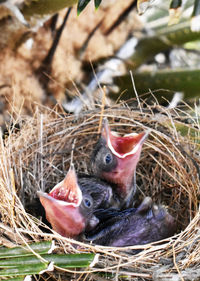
62,206
68,190
123,146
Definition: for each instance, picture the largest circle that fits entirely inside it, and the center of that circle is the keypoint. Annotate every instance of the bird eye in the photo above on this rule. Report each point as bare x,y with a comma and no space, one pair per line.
108,158
87,203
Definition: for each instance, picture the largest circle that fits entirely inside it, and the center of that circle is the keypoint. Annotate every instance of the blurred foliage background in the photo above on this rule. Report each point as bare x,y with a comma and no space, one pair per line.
54,51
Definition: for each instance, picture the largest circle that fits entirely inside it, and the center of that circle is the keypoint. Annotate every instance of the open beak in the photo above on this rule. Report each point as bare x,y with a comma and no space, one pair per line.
123,146
62,206
127,150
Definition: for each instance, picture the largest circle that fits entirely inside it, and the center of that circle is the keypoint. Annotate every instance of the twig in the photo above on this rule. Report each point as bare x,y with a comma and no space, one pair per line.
175,264
136,94
12,179
72,152
102,108
41,153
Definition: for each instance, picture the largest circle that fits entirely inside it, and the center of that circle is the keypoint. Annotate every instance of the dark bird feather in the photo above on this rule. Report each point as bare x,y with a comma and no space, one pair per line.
148,223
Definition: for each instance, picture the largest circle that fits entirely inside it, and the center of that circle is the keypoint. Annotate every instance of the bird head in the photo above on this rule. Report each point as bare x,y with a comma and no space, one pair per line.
115,157
67,209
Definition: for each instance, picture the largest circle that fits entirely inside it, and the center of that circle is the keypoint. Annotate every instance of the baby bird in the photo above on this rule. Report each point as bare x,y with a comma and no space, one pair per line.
148,223
115,158
69,206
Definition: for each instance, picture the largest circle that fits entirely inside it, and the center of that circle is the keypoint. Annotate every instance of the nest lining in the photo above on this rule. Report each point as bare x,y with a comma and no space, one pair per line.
38,157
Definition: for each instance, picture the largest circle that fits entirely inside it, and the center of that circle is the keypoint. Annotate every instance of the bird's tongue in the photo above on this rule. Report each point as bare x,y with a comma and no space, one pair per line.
68,190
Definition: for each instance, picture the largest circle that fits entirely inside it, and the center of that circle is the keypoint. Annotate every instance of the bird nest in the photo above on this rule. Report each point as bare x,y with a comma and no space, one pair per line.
36,155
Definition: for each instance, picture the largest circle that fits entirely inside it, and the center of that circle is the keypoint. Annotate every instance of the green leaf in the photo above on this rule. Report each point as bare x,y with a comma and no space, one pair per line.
31,8
24,270
61,260
196,10
20,261
185,80
97,3
164,39
81,5
39,247
175,4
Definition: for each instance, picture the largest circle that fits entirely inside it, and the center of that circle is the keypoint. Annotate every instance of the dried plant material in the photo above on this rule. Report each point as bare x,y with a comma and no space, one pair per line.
168,172
13,28
102,107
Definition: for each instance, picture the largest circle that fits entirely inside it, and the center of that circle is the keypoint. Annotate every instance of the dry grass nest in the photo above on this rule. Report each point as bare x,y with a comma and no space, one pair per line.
37,156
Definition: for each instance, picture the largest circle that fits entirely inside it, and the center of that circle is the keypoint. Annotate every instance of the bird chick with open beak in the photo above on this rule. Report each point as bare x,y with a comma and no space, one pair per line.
69,206
115,158
67,209
148,223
